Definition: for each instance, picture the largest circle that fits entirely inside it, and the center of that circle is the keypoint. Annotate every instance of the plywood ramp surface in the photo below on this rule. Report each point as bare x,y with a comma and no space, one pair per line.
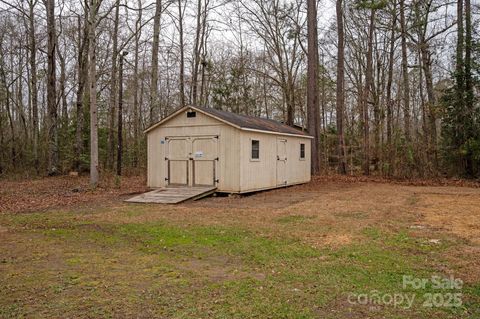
172,195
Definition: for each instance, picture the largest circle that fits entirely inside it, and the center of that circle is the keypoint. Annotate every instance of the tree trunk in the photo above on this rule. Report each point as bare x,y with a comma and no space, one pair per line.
459,132
92,79
136,124
113,90
182,52
406,82
469,96
81,98
469,92
120,120
340,98
154,112
366,95
203,73
196,53
51,90
389,102
13,150
312,86
432,126
33,83
63,93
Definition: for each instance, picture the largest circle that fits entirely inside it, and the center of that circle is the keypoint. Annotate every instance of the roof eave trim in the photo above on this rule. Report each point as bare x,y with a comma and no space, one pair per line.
154,126
274,133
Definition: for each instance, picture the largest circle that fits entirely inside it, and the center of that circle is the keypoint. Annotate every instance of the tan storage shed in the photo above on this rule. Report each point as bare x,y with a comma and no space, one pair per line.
198,146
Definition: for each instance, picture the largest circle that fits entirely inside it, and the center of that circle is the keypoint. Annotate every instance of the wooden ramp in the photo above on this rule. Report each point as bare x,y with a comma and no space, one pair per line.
172,195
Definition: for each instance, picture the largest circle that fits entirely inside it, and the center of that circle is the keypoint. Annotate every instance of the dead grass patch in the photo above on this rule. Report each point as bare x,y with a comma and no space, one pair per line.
458,212
64,191
73,254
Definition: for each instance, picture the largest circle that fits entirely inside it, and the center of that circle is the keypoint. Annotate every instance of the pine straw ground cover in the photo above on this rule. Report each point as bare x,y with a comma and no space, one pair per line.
299,252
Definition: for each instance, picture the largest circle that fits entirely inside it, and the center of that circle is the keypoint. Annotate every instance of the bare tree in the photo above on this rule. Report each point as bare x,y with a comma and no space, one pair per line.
92,81
340,103
82,83
470,95
272,22
389,99
33,79
181,12
136,120
113,88
312,92
366,93
406,82
200,39
120,116
154,75
51,89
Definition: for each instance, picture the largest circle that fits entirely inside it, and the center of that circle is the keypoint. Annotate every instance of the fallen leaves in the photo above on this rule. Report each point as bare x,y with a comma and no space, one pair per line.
64,192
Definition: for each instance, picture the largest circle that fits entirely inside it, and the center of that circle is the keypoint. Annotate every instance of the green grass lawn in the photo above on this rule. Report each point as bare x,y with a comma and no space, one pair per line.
70,264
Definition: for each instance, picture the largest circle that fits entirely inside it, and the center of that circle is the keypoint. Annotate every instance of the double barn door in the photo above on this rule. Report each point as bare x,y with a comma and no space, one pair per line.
191,160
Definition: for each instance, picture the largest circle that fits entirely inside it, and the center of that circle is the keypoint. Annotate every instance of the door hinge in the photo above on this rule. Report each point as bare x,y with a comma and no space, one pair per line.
166,158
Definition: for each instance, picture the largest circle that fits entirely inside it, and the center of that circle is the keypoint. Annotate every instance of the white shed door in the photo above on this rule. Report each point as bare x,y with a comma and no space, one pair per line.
192,160
281,161
204,159
177,160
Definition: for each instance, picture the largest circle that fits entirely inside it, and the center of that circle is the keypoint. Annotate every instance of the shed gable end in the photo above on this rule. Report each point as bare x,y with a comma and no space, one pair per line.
188,117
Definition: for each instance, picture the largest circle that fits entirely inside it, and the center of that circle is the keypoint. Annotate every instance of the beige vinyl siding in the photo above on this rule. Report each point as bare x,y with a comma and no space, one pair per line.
155,159
229,160
298,170
262,173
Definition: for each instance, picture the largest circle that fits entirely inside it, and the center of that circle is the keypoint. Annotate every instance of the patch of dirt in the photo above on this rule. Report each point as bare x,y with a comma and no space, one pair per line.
440,181
457,211
338,239
217,269
450,215
348,307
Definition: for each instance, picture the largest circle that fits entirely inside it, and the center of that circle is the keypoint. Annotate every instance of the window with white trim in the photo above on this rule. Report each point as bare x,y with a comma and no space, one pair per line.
302,150
255,149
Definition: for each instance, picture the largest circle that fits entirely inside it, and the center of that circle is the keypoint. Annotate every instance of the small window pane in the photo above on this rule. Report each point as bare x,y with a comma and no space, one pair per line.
255,149
302,151
191,114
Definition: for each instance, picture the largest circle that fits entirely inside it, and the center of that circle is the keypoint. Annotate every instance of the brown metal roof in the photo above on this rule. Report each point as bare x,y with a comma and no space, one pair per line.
251,122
